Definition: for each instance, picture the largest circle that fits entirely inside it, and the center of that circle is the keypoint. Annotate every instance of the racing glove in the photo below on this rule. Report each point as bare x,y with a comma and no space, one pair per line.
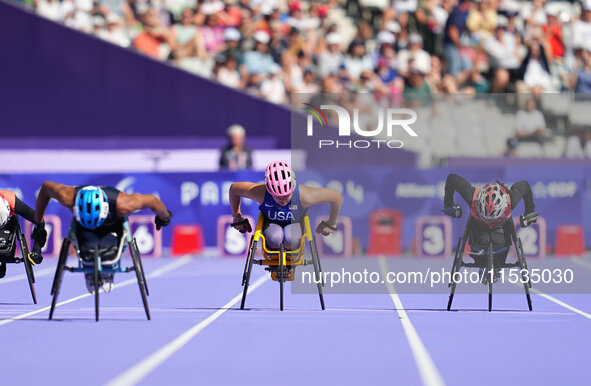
528,219
162,223
322,225
39,236
454,211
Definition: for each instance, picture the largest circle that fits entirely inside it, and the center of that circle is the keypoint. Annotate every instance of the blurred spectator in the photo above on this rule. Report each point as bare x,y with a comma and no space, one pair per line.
272,88
415,52
49,9
581,29
227,72
530,125
357,61
236,155
331,59
455,26
259,61
535,71
155,39
582,77
114,33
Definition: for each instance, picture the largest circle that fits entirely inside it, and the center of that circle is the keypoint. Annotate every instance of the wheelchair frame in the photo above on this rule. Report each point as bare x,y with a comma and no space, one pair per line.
8,255
521,263
282,263
98,267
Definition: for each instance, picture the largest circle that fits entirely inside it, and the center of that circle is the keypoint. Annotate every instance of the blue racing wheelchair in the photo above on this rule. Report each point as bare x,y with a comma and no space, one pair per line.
9,234
99,258
490,258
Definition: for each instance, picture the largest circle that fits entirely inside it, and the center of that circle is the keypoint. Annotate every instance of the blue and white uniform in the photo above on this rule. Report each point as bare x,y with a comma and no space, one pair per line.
282,222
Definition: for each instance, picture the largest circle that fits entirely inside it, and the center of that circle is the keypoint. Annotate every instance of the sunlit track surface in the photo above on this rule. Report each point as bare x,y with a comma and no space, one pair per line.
198,335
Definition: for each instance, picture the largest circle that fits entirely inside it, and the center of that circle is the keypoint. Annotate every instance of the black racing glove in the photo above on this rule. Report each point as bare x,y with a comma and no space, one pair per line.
35,257
528,219
242,226
39,236
162,223
322,225
454,211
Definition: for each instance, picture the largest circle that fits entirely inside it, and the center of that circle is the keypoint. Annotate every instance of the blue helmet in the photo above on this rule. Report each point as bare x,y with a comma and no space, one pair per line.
91,207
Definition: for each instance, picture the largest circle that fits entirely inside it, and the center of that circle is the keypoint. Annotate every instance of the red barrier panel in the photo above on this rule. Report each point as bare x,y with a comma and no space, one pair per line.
187,239
570,240
385,232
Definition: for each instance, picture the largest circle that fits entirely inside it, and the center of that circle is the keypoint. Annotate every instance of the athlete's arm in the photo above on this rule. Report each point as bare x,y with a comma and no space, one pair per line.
61,193
255,192
455,183
24,210
521,190
130,203
313,196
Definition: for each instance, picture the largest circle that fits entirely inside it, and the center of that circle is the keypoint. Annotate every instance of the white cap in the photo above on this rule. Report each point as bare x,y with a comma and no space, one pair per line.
212,7
415,38
274,69
333,38
393,26
232,34
236,130
112,18
98,21
551,10
386,37
267,8
261,37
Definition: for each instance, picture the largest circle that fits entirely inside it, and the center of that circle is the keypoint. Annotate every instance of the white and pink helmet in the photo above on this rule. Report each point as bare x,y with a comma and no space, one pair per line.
280,179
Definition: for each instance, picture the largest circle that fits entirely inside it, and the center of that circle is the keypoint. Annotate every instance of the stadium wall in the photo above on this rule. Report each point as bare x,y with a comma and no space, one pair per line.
57,82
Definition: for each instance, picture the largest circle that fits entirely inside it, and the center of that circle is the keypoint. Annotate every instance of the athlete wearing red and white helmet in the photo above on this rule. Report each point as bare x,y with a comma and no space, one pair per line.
490,207
283,203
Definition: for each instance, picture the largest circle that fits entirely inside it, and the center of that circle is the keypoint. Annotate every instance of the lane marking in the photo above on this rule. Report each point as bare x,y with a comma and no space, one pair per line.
40,273
139,371
560,303
427,369
159,272
582,263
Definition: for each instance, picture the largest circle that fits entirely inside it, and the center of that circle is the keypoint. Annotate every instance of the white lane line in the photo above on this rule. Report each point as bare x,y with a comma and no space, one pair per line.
139,371
427,369
40,273
159,272
561,303
584,263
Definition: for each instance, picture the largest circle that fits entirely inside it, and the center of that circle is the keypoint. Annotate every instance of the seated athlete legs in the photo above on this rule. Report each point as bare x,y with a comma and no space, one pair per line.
292,233
273,235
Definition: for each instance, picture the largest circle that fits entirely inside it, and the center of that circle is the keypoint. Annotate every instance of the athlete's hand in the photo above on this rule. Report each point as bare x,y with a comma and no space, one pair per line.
241,224
39,236
162,223
35,257
528,219
454,211
325,228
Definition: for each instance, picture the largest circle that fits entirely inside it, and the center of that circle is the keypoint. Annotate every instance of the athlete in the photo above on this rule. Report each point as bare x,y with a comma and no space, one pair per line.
99,210
490,208
284,204
11,205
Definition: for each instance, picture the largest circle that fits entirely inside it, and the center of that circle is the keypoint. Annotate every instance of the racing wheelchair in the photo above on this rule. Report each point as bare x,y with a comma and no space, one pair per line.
490,253
282,263
9,234
99,255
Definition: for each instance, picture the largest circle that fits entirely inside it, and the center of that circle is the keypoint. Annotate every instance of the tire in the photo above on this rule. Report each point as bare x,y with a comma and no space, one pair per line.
135,256
137,251
59,271
28,266
455,266
248,270
280,275
490,274
96,286
317,272
523,265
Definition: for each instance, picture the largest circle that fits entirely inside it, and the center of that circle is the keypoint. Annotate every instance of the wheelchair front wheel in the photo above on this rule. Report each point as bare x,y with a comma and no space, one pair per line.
139,274
523,266
28,266
96,286
248,270
490,274
59,272
281,273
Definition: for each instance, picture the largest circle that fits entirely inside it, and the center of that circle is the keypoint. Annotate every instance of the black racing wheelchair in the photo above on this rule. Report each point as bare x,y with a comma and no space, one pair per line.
282,263
486,257
9,234
99,258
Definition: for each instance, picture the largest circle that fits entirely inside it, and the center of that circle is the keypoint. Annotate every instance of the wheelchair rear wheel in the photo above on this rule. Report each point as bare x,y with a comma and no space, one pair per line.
456,265
248,270
523,269
139,274
281,274
317,271
96,285
59,272
28,266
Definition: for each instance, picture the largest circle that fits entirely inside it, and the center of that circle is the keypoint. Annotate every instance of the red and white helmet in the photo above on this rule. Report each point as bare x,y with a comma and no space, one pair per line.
280,179
4,211
493,204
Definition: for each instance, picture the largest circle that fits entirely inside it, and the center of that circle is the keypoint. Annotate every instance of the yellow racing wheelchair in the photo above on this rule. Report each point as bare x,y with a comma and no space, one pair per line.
282,263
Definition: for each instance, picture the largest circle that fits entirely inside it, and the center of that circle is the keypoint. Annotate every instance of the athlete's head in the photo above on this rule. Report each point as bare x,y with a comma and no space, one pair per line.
280,181
493,204
4,211
91,207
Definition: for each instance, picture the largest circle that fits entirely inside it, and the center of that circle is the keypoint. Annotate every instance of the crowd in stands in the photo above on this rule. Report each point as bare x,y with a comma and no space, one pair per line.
276,49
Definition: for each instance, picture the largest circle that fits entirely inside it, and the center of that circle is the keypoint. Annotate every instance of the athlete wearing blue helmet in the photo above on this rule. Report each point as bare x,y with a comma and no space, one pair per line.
91,207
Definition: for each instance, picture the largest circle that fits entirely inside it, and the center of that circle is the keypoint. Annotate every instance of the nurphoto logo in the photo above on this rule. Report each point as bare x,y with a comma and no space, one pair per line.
389,122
